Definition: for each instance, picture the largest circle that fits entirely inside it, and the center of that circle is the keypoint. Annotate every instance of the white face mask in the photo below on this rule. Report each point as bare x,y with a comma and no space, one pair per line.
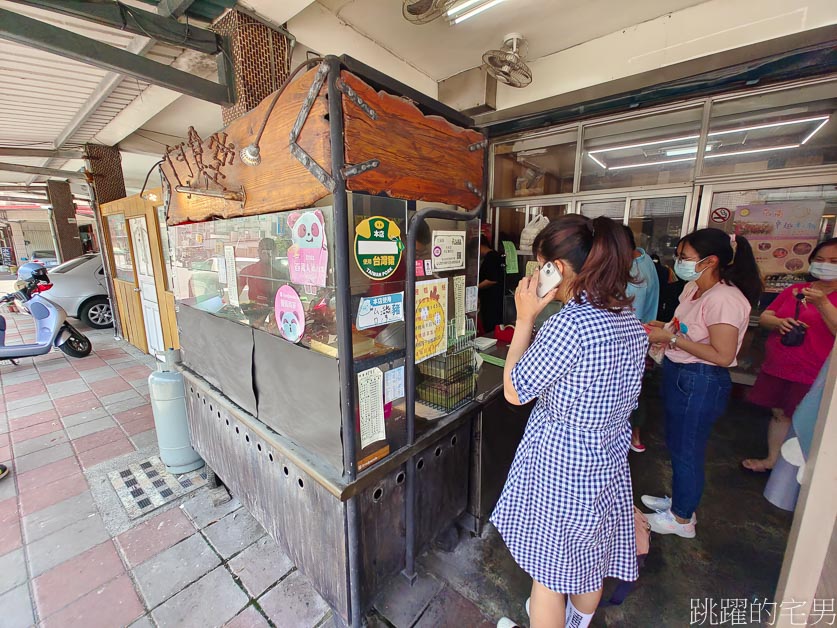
685,269
824,270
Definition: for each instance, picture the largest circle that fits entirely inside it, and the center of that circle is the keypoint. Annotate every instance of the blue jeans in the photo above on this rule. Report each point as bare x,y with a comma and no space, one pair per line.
694,396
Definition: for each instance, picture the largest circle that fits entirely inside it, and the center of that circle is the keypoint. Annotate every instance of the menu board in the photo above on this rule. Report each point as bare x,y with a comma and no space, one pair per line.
782,234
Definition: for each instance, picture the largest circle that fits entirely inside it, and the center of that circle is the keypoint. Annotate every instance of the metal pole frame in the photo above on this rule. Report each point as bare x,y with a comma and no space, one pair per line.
345,359
410,362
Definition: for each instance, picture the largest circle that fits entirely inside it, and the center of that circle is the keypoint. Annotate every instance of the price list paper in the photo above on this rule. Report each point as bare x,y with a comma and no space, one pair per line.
370,394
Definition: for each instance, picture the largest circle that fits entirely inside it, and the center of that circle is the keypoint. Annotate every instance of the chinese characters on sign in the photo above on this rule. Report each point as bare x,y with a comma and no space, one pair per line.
308,255
383,310
378,247
431,318
448,251
290,315
745,612
370,394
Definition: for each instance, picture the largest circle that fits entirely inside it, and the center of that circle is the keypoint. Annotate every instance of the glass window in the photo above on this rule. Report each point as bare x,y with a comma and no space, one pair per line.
166,246
785,129
650,150
235,269
782,224
535,166
510,223
656,223
121,246
611,208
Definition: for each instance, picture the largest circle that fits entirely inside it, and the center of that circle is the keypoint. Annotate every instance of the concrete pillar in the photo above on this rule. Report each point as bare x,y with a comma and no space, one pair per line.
104,164
63,220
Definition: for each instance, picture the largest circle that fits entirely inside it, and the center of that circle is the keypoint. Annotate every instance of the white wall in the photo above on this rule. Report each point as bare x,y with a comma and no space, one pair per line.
695,32
319,29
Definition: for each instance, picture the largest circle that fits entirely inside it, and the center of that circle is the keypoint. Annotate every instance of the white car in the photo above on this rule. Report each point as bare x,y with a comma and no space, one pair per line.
46,258
80,288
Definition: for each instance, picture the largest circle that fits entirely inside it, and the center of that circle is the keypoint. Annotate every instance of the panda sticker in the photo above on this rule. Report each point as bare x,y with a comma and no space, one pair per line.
308,255
290,315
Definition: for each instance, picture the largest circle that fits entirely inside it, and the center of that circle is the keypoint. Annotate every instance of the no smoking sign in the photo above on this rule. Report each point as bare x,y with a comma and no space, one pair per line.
720,215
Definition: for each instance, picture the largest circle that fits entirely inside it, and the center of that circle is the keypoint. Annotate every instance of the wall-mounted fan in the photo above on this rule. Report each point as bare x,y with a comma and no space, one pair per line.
425,11
507,65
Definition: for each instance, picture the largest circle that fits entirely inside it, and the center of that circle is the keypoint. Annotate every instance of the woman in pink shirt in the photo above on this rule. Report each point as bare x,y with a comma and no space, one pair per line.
789,371
702,342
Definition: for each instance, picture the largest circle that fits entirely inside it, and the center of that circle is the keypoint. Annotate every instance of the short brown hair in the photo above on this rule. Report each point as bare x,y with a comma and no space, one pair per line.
598,252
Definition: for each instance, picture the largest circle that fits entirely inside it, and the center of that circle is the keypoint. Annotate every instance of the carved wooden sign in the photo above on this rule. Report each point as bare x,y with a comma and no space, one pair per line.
390,147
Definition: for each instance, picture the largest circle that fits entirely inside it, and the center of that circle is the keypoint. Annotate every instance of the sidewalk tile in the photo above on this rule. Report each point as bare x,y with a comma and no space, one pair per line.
140,412
153,536
67,389
12,570
90,427
294,602
114,352
248,618
145,439
97,439
20,435
53,518
40,458
118,407
5,453
21,391
136,372
233,533
143,622
10,538
98,374
140,425
19,413
41,442
74,420
48,473
60,375
125,395
450,608
98,455
22,405
211,601
33,419
72,579
66,543
113,604
76,404
202,513
42,497
88,364
260,566
17,608
403,603
109,386
171,570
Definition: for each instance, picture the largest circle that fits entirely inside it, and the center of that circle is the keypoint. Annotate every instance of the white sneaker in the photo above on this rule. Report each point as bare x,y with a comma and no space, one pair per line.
660,504
663,522
505,622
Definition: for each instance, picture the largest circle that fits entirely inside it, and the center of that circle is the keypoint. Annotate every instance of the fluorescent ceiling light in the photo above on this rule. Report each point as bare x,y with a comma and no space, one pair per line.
814,132
650,163
477,11
590,155
768,125
688,150
459,8
751,151
627,146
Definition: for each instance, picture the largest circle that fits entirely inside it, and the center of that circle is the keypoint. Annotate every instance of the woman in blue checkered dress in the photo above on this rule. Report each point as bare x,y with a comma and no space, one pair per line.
566,511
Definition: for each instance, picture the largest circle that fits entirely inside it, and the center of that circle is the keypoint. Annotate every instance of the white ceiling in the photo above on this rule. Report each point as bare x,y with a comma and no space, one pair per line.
440,50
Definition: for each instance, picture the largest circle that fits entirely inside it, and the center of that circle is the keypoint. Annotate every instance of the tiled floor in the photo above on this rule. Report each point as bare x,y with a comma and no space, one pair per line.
69,556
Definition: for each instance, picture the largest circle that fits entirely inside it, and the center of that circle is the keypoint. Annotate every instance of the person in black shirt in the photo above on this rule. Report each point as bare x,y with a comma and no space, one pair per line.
490,287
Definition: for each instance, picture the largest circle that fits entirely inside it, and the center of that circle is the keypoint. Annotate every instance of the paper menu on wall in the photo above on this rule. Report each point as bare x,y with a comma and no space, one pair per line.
394,384
472,294
232,276
431,318
511,257
370,394
448,252
459,304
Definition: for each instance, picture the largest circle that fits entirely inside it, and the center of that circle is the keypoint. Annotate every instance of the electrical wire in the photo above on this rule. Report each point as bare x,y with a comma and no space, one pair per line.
148,175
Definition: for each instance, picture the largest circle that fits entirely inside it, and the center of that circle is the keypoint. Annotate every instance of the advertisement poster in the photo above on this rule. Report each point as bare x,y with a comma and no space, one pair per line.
431,318
448,250
382,310
290,315
394,384
232,276
782,234
308,255
511,258
378,247
370,394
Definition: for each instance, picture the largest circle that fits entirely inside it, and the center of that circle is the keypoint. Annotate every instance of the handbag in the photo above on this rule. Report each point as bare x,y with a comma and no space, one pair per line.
642,529
796,336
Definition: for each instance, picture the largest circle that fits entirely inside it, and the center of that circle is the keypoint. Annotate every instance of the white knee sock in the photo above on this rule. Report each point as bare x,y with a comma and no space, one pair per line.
575,618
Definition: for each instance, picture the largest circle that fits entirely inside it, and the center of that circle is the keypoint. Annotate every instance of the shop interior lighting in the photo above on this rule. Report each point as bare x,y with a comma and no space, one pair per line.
753,150
609,149
593,157
769,125
455,13
814,132
650,163
688,150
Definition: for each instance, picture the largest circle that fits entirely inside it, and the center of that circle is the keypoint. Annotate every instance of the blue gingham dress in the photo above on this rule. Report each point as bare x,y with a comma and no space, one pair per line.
566,511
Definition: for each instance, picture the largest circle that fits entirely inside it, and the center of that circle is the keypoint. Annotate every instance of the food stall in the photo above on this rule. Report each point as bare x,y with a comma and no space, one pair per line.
326,299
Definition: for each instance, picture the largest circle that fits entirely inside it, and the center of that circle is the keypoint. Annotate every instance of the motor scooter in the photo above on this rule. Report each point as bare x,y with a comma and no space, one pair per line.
51,326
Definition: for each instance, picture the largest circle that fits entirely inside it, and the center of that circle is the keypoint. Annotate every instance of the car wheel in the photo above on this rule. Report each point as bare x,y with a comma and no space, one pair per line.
97,313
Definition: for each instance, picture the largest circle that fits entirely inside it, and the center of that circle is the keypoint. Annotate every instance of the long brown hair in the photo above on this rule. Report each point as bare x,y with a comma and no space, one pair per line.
599,253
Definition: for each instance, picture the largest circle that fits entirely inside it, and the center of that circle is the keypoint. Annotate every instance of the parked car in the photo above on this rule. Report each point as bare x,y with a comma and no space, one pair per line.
47,258
79,287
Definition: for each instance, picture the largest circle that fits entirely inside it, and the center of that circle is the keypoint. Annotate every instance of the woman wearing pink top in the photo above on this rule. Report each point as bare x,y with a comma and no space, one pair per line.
789,371
702,343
